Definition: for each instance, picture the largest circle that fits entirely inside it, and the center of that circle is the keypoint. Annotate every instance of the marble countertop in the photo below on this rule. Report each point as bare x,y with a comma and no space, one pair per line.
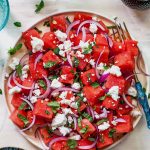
23,10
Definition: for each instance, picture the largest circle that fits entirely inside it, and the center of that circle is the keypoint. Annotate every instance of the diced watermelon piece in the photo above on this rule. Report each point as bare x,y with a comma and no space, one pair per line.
118,47
116,81
106,30
101,40
16,100
92,94
30,116
85,142
60,145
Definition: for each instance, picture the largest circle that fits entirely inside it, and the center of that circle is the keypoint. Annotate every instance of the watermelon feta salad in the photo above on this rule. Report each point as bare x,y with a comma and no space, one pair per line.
75,85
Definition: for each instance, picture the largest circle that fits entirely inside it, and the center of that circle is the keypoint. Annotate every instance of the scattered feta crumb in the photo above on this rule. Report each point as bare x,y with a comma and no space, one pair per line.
14,63
61,35
33,99
67,111
115,70
114,123
74,105
114,91
15,89
93,28
76,137
136,112
25,72
56,84
63,95
64,77
101,66
76,85
104,126
70,120
132,91
64,130
67,45
79,54
36,86
59,120
61,46
55,94
83,45
37,44
92,62
84,99
62,53
37,92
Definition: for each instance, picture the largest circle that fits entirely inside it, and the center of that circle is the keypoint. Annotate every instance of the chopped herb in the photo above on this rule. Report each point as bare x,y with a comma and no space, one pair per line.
111,27
50,131
38,30
76,77
88,50
76,62
1,92
67,18
122,102
101,138
91,139
47,112
39,6
111,132
144,90
102,98
95,85
49,64
19,70
87,116
17,24
101,121
79,121
46,23
52,77
64,59
81,84
23,104
12,51
56,50
148,95
105,67
84,130
72,143
23,118
42,84
89,77
54,104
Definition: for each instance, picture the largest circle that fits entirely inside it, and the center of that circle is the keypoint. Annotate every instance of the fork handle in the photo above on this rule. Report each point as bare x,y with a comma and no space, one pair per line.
142,98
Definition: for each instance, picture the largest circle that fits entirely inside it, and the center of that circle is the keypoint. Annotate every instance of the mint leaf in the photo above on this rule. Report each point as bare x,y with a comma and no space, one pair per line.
49,64
72,143
101,121
39,6
95,85
111,133
17,24
23,119
56,50
19,70
42,84
87,116
84,130
12,51
76,62
21,107
53,104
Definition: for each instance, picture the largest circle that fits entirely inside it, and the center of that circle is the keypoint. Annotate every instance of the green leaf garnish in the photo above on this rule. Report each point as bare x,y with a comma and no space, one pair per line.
46,23
56,50
102,97
76,62
12,51
95,85
72,143
1,92
101,121
38,30
42,84
23,118
21,107
111,133
47,112
122,102
49,64
79,121
111,27
91,139
88,50
17,24
19,70
84,130
39,6
105,67
87,116
53,77
53,104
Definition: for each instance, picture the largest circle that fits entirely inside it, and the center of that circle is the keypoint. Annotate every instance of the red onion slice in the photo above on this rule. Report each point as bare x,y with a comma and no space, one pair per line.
104,114
92,112
24,59
119,120
47,92
69,59
109,40
8,83
56,140
89,146
31,91
18,84
103,77
64,89
127,102
96,70
37,60
75,123
33,121
88,22
71,26
83,34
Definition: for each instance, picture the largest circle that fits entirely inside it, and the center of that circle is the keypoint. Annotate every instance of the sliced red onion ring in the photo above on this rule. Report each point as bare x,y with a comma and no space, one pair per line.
112,57
103,77
47,92
83,34
56,140
104,114
37,60
8,83
97,73
33,121
69,59
64,89
119,120
71,26
127,78
75,123
88,22
31,91
88,110
76,47
89,146
127,102
24,59
92,112
109,40
18,84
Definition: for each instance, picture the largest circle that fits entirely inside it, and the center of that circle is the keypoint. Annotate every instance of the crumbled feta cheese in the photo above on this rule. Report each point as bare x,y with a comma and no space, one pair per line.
104,126
37,92
67,45
114,91
62,53
76,85
132,91
61,46
37,44
65,101
64,77
25,72
64,130
55,94
63,95
84,45
15,89
135,113
84,99
76,137
67,111
101,66
114,123
33,99
70,120
92,62
61,35
36,86
115,70
95,18
79,54
14,63
93,28
59,120
56,84
74,105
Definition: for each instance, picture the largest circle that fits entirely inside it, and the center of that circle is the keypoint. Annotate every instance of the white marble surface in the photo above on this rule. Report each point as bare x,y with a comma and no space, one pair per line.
23,11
